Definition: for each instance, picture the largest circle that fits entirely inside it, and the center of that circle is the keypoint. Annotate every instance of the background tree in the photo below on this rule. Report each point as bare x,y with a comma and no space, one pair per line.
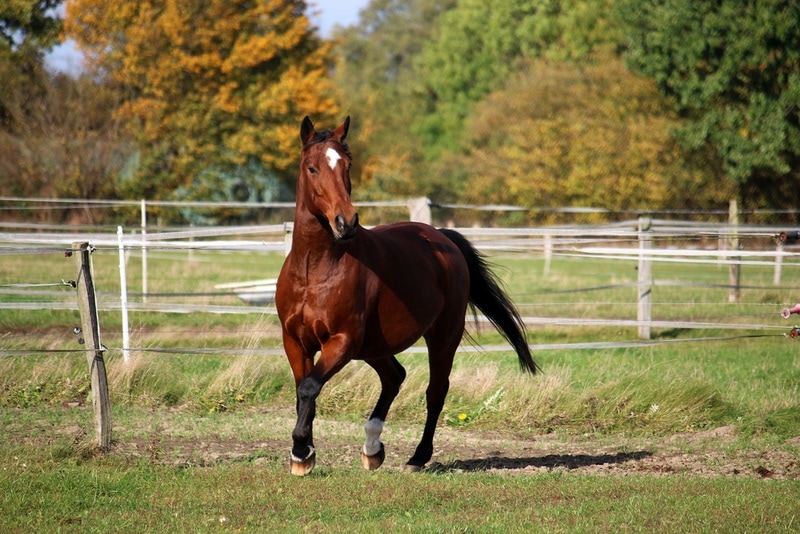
732,69
379,86
481,43
68,146
27,29
57,137
416,70
564,134
207,83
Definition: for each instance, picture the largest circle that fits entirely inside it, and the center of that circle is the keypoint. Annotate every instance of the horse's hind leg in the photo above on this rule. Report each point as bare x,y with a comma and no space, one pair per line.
392,375
441,350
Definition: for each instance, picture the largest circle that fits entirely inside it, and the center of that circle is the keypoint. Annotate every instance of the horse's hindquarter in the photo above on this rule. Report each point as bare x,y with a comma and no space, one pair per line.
415,274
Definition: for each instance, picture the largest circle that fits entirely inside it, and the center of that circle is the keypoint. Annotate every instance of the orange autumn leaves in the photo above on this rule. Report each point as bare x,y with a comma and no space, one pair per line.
207,81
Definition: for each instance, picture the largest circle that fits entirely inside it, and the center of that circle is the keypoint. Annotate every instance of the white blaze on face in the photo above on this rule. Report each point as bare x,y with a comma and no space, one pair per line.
332,156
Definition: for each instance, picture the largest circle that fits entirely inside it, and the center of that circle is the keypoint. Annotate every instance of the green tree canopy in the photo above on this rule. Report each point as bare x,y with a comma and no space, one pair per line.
24,22
732,69
57,137
481,43
413,71
27,29
209,82
561,134
379,88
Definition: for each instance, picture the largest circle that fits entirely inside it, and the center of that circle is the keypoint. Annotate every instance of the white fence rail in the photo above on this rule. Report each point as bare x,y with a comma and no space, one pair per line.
643,241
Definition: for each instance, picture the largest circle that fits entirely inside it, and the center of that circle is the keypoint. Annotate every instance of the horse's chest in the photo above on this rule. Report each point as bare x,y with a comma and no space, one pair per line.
324,303
322,310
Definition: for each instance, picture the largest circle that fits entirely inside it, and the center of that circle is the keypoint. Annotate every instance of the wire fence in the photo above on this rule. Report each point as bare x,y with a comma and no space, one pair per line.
603,291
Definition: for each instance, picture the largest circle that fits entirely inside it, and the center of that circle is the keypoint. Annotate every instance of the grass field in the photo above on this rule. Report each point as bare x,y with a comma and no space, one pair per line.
700,432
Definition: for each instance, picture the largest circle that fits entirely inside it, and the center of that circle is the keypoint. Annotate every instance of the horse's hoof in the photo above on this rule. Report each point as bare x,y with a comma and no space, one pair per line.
373,462
301,468
411,468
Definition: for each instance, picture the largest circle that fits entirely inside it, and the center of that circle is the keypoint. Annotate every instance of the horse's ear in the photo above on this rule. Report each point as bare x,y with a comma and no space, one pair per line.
306,131
341,131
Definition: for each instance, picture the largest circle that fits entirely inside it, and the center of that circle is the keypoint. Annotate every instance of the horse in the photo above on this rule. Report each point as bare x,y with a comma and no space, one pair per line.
352,293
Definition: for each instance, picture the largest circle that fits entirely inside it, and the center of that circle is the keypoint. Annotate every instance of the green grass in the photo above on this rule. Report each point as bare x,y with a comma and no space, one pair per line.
662,389
689,385
168,405
49,494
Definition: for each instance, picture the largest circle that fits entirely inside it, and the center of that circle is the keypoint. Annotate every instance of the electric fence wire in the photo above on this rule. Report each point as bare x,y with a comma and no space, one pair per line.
415,350
630,238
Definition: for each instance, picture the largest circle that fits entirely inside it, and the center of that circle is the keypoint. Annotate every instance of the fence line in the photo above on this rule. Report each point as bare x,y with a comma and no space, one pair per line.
417,350
565,241
630,240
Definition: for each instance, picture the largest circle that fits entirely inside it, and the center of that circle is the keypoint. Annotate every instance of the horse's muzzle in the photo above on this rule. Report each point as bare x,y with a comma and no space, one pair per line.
344,229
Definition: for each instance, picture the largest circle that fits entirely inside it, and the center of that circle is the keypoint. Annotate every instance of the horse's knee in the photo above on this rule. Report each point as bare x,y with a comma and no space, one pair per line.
309,389
392,389
392,383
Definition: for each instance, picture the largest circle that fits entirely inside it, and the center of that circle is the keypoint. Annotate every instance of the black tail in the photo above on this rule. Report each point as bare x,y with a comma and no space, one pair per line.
486,294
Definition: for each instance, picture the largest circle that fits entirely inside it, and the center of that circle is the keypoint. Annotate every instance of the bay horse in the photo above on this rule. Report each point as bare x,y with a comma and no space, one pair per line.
351,293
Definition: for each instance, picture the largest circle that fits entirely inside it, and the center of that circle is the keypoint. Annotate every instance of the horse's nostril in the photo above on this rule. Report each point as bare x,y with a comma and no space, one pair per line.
344,229
340,223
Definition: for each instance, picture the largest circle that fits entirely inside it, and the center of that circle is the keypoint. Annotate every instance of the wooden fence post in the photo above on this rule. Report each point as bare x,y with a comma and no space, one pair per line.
288,228
90,326
776,277
735,268
548,253
419,210
645,279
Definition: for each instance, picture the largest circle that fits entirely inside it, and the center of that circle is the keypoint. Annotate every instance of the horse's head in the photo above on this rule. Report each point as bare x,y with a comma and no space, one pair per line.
324,182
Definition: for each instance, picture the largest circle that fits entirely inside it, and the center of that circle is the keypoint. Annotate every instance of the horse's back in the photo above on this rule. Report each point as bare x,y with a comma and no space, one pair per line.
408,247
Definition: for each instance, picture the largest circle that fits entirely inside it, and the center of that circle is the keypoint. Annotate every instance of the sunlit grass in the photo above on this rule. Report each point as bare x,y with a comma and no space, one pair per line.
750,382
54,480
48,494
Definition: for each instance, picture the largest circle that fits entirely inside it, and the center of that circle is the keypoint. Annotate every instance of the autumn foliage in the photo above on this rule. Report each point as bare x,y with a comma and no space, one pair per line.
626,105
218,81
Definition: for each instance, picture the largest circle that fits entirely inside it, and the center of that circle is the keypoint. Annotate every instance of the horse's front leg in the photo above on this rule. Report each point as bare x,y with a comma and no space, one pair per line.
303,452
335,354
302,363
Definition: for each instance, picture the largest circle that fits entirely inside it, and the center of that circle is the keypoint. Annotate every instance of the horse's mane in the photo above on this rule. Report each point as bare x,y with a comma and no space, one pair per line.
324,135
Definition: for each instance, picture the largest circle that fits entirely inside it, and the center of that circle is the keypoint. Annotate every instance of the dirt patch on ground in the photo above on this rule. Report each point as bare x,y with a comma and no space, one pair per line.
716,452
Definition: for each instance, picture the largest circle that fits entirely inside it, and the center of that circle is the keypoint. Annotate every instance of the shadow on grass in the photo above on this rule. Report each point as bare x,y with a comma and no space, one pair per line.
672,333
551,461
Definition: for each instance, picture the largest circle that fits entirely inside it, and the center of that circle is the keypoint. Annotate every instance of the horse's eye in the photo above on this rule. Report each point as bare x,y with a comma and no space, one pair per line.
312,169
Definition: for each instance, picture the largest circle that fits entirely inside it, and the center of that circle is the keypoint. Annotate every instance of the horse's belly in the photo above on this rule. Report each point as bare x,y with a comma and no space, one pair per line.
393,327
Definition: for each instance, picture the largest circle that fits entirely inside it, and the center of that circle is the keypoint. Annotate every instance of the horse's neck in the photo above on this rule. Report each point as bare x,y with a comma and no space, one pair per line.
312,243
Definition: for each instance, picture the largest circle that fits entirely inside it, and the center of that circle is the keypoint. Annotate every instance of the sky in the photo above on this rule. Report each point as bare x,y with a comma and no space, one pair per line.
324,14
332,12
